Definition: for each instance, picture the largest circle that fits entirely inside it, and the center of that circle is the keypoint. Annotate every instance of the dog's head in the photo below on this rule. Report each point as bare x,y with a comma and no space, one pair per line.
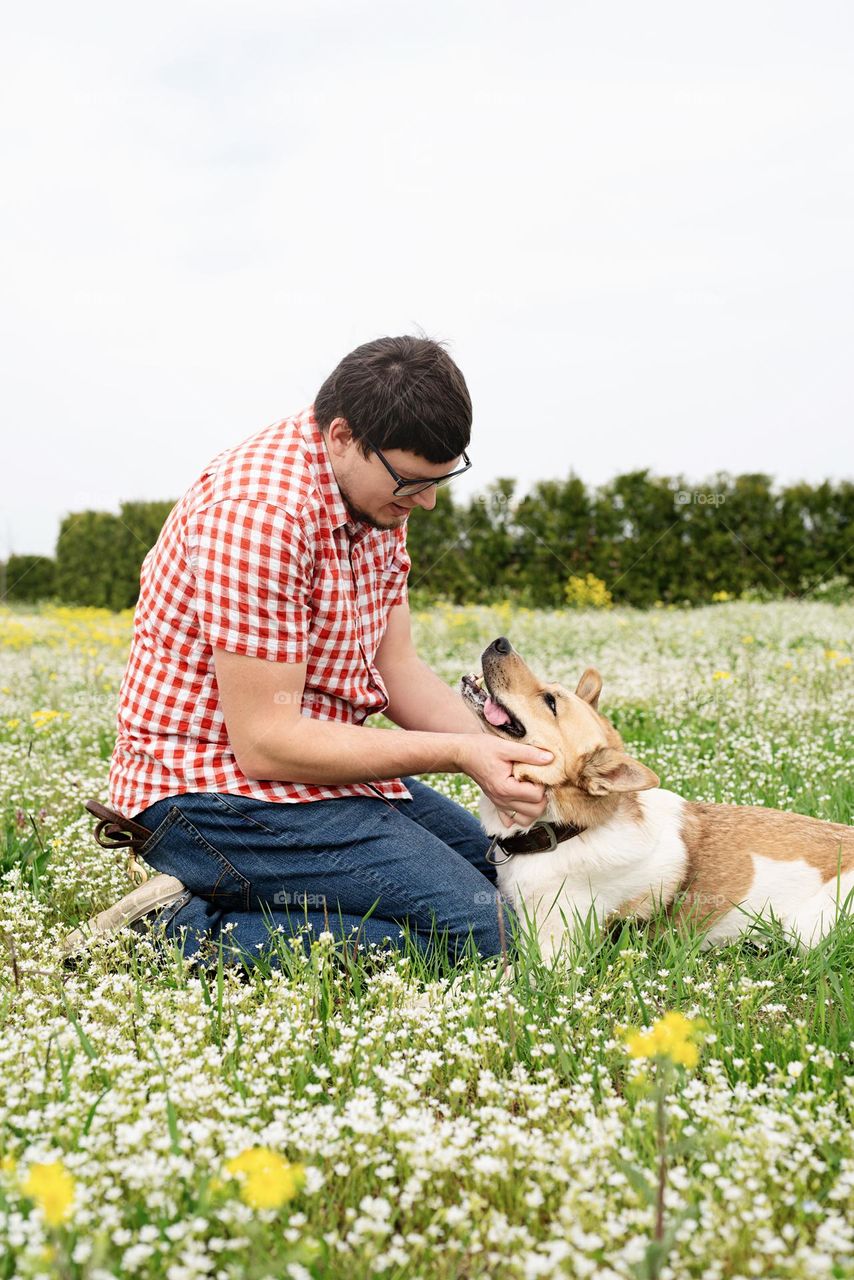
589,756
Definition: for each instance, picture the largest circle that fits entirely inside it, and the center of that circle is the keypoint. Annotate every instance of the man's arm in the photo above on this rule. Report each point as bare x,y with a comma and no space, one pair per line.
270,738
418,698
261,703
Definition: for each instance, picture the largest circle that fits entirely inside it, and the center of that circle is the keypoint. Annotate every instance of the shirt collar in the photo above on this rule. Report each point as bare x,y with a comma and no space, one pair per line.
324,476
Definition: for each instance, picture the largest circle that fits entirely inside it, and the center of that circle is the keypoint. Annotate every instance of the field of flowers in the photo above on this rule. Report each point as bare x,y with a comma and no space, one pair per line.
647,1109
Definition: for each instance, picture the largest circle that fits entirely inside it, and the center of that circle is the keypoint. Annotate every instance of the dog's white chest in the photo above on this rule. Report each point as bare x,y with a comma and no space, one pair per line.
624,863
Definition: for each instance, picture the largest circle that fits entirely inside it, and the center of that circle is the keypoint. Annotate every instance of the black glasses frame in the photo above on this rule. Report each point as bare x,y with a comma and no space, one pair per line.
422,484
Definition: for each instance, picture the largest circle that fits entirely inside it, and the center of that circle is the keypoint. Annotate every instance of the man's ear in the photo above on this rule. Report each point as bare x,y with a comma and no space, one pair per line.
589,687
607,770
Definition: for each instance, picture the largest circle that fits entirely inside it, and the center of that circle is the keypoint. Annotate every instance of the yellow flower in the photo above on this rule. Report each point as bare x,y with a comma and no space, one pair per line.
8,1164
721,595
722,675
267,1179
844,661
787,666
12,724
830,654
588,592
747,639
52,1188
674,1036
41,718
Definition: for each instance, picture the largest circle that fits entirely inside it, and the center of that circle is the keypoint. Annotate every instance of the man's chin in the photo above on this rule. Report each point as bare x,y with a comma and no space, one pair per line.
394,522
384,520
386,517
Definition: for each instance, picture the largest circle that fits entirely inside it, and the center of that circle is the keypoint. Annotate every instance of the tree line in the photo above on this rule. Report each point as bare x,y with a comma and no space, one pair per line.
646,539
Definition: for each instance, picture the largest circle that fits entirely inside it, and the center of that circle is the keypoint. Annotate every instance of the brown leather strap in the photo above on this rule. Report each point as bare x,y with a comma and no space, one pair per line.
114,831
539,838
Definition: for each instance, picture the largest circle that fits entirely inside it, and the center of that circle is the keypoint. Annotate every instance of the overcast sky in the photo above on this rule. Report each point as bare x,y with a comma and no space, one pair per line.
633,223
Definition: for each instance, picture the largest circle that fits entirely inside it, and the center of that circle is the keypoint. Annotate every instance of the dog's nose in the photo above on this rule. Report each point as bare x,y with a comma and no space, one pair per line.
502,645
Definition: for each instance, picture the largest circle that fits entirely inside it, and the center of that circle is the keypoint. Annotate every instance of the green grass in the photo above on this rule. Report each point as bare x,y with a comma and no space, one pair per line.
465,1122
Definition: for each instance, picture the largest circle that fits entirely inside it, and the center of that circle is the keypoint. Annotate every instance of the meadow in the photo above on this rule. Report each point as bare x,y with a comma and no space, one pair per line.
375,1116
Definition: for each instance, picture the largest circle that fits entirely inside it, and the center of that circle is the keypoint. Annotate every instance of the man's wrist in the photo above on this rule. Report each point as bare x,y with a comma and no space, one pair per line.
461,751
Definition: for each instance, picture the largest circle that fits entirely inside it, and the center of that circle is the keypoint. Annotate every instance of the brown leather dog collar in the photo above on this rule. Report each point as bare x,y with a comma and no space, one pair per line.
539,838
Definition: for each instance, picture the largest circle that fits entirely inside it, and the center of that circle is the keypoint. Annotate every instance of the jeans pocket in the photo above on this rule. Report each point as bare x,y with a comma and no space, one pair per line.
178,848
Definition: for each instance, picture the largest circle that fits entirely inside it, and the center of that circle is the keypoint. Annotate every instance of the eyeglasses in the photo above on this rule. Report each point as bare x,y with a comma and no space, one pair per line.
407,488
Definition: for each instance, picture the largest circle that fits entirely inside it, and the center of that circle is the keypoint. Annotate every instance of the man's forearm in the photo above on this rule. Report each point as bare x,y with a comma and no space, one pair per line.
419,699
327,751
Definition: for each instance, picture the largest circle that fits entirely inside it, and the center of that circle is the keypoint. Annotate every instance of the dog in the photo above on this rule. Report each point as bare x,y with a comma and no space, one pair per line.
613,842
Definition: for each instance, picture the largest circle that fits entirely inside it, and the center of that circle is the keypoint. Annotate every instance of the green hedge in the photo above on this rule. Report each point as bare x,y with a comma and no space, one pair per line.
648,538
27,578
98,558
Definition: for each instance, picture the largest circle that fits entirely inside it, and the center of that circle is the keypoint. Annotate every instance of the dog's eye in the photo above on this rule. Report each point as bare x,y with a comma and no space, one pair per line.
550,703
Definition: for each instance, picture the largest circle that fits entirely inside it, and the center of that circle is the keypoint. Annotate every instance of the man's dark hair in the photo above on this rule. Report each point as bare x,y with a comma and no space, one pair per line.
399,393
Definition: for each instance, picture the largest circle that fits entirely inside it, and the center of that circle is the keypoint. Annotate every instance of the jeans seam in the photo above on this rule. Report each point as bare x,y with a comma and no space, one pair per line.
159,831
253,822
176,816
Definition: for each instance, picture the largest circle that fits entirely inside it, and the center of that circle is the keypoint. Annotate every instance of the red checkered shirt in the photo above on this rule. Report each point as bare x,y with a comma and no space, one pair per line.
259,557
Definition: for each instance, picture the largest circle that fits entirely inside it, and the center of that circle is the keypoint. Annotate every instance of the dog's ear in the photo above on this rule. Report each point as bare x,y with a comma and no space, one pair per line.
589,687
607,769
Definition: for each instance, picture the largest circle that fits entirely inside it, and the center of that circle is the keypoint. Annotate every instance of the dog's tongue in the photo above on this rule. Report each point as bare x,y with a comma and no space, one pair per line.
495,715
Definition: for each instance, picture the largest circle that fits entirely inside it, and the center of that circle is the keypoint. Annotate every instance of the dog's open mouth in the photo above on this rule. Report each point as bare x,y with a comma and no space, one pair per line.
478,695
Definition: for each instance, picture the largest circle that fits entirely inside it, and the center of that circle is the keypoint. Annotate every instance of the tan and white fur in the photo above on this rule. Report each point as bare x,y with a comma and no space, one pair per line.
719,865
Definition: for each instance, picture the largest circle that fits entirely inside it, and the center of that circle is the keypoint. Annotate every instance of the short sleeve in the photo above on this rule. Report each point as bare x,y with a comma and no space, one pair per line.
397,572
253,571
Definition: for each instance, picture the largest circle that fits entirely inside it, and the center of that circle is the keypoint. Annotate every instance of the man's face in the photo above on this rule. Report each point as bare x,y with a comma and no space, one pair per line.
368,489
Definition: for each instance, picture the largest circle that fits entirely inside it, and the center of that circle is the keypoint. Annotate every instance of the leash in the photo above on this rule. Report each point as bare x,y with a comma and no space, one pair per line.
114,831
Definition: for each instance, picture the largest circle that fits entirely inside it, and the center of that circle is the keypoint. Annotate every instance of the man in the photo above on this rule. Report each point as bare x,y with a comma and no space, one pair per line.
272,620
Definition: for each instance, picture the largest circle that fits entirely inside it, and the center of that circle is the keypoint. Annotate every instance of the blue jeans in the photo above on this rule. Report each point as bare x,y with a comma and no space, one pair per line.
251,865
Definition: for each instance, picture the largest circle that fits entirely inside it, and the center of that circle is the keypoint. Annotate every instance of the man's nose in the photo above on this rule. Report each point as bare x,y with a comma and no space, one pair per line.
426,498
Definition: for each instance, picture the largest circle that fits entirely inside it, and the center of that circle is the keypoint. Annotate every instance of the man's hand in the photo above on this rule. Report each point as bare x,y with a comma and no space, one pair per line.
489,761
